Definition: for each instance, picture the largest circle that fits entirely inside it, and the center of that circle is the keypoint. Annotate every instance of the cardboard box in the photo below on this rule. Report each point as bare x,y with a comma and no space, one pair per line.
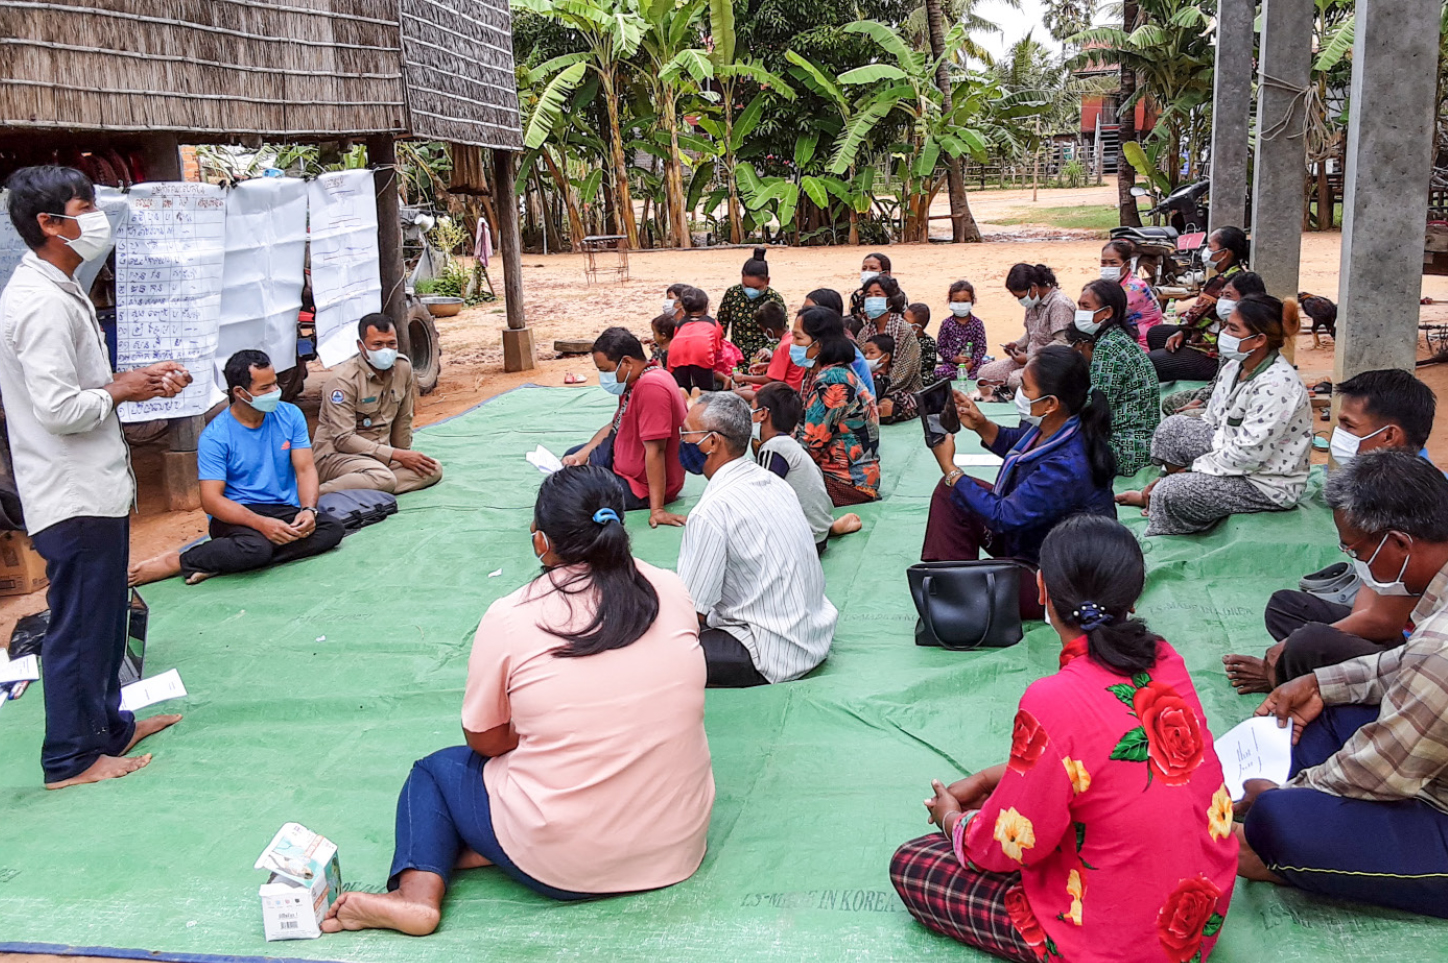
305,881
22,570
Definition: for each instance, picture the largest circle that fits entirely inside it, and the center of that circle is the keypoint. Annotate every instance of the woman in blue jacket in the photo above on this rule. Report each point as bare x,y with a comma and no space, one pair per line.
1058,463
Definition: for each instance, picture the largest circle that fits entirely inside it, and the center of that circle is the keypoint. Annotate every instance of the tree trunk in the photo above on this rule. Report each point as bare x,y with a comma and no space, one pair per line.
624,222
1325,199
576,233
736,218
1126,128
962,223
674,176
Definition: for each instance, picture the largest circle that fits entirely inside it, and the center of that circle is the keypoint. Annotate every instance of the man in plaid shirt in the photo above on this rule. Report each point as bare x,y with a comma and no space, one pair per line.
1365,815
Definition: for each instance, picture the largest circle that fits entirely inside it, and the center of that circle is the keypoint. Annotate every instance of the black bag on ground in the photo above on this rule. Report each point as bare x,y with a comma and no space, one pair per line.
936,405
967,605
356,508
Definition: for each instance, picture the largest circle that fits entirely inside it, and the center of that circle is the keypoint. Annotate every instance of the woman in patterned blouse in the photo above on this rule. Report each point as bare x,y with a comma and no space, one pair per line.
841,425
885,314
1249,451
1118,265
962,335
736,310
1107,835
874,265
1121,370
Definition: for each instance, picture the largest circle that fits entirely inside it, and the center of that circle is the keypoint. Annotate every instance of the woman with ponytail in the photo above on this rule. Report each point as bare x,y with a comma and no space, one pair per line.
1250,449
1108,833
586,770
1058,463
1120,369
736,310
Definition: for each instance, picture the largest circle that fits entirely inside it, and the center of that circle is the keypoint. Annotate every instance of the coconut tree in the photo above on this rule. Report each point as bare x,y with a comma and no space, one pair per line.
611,33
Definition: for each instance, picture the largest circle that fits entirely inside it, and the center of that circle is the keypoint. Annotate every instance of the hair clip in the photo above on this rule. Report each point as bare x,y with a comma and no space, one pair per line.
605,515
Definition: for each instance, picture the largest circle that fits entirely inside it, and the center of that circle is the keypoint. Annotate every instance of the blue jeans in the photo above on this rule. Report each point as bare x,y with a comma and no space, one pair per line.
443,808
80,658
602,457
1386,853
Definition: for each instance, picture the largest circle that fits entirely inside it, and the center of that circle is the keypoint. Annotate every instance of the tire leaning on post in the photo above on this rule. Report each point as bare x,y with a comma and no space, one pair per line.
424,348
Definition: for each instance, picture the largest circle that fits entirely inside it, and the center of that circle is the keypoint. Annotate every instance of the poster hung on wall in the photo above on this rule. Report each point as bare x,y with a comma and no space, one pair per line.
261,290
346,282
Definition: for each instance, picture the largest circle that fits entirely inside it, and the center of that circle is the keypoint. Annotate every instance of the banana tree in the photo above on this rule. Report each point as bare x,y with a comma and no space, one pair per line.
542,94
856,191
675,65
612,32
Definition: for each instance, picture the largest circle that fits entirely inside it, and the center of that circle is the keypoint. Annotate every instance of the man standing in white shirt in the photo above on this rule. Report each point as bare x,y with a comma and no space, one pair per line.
73,471
749,560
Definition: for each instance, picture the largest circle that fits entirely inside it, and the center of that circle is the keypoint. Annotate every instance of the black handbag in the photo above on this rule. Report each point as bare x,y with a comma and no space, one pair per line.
967,605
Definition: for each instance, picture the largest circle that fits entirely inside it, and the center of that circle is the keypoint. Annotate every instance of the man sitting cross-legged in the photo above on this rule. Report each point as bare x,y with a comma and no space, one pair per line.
1364,815
1377,410
258,484
748,559
364,427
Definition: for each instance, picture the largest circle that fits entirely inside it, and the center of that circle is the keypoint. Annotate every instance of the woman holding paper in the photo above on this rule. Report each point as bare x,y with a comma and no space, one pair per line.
1108,833
586,771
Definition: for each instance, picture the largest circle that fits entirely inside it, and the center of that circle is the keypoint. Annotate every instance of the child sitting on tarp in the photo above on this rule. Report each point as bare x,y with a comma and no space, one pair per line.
698,344
896,405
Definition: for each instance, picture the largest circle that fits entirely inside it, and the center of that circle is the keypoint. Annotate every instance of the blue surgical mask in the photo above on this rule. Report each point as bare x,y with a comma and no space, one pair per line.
799,357
268,402
608,381
752,293
874,307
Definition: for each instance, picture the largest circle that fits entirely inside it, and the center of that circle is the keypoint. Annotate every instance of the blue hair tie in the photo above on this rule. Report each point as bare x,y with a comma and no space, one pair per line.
605,515
1091,616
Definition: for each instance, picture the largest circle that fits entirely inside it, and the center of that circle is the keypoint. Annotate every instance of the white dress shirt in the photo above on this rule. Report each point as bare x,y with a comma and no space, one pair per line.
65,439
749,562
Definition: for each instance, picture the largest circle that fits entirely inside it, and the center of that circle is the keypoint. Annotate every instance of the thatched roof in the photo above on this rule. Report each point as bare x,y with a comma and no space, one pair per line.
280,69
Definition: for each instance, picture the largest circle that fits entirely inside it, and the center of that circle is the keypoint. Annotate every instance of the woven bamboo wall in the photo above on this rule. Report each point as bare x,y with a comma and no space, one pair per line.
277,68
458,59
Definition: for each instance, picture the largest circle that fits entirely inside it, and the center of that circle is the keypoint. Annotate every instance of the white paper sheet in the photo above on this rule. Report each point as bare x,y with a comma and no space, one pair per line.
978,460
169,255
346,279
26,669
543,460
148,692
12,248
266,248
1256,749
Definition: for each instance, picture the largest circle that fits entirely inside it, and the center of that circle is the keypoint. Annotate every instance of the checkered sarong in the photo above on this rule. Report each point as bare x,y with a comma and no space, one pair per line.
965,904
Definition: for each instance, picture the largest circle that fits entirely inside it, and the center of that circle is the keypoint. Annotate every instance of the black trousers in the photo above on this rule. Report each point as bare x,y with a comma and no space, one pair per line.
1183,364
236,548
730,666
1301,622
691,376
80,662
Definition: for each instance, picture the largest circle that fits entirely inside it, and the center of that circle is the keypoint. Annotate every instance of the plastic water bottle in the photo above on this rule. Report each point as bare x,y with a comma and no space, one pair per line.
963,372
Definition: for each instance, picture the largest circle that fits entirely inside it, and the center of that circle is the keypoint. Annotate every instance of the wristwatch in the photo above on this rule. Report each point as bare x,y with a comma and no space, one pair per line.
954,477
309,508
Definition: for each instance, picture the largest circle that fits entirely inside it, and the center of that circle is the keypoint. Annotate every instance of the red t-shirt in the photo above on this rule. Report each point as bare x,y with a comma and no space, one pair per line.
697,341
782,369
653,410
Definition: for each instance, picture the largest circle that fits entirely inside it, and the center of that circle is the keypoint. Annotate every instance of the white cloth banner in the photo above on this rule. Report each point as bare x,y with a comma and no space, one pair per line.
169,256
261,291
13,248
346,272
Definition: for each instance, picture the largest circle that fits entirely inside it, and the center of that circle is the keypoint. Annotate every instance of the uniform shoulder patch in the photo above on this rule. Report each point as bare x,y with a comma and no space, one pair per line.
337,397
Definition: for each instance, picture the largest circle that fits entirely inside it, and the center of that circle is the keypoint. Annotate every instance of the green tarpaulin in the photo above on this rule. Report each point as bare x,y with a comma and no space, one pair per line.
315,685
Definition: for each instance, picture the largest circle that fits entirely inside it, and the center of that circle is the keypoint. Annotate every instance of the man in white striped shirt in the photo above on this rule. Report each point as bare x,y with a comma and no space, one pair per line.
749,560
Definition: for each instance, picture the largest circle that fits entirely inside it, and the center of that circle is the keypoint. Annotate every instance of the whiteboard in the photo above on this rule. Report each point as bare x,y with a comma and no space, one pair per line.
346,273
169,257
261,288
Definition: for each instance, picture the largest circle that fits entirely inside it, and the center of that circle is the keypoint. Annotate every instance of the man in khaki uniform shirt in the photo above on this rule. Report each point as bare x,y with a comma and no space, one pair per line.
364,428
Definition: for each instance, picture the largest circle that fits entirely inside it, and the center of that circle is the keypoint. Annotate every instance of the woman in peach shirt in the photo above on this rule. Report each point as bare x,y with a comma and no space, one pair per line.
586,771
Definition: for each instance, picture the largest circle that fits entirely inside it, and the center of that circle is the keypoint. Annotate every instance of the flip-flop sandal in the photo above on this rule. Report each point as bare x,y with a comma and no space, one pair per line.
573,379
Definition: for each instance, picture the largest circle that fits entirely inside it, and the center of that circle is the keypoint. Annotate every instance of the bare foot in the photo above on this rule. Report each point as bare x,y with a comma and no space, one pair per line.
1132,499
151,726
1249,864
846,524
381,911
468,859
155,569
1247,673
198,577
106,767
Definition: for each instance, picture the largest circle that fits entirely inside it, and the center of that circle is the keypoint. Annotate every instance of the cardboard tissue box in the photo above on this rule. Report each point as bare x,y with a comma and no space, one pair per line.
305,881
22,570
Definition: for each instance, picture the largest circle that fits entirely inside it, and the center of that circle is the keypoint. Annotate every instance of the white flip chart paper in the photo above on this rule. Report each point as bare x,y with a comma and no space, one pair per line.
346,282
266,249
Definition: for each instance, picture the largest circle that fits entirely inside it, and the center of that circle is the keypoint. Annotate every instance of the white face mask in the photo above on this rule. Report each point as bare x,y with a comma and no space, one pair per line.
867,276
1225,307
1086,321
961,309
266,403
383,358
1344,445
873,363
1023,407
755,429
1230,347
669,306
95,235
1394,588
1109,273
1029,301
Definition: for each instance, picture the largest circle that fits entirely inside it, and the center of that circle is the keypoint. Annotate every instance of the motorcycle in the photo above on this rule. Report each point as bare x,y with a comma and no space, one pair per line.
1172,256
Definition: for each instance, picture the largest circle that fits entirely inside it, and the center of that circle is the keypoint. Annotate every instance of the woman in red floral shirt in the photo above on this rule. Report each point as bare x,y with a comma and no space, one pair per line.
1107,836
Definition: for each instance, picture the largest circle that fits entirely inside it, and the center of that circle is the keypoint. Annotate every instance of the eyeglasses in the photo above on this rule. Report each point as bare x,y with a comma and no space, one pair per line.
1352,553
701,431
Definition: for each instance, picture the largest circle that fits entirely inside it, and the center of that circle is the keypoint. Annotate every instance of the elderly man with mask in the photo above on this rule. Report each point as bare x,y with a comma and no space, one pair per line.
748,558
1364,815
1376,410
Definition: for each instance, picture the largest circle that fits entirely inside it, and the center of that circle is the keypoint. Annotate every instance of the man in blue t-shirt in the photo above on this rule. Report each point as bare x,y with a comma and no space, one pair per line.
258,484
